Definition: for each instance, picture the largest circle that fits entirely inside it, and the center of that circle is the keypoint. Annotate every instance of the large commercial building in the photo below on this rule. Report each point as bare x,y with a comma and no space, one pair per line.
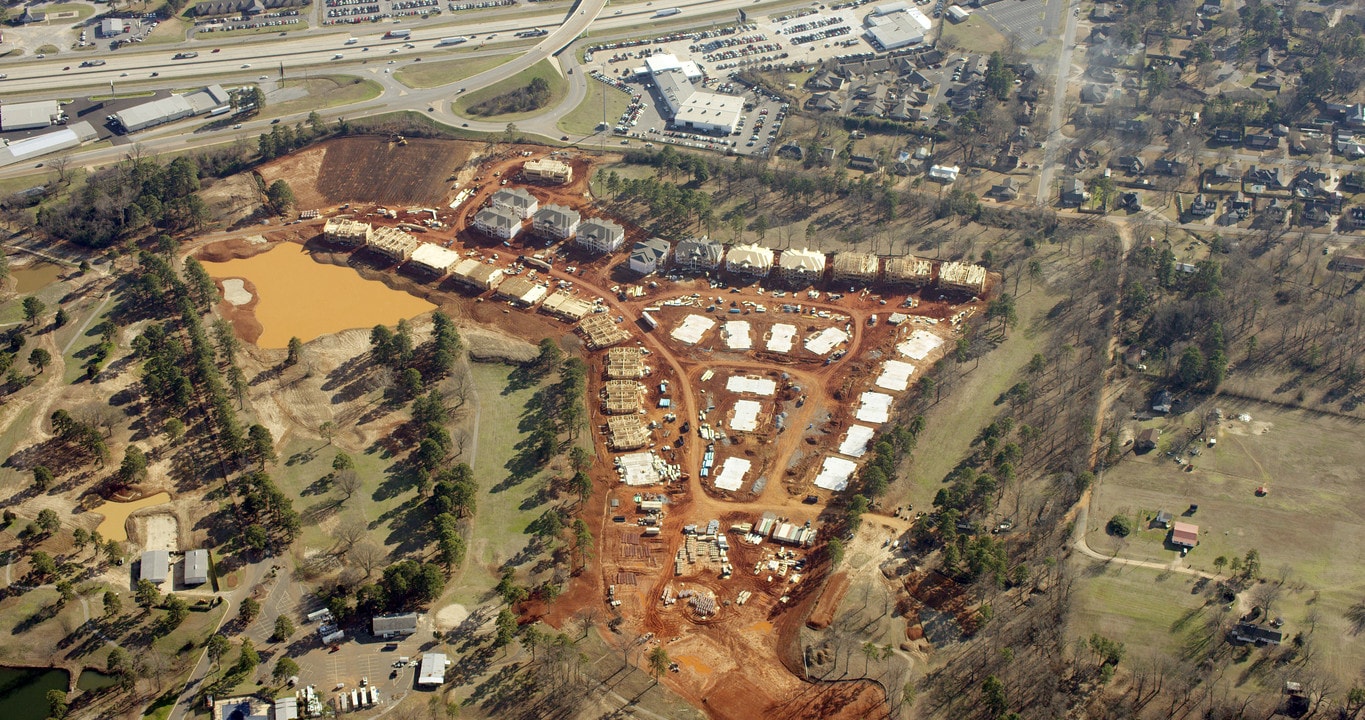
29,115
432,671
600,236
393,243
68,137
170,109
686,106
155,566
894,26
196,567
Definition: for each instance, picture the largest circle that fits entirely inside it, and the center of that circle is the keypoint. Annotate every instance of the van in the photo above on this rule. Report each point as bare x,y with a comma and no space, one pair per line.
403,661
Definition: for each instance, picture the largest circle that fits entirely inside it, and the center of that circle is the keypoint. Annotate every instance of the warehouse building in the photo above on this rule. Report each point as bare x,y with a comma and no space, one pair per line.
751,260
698,255
962,276
547,170
625,363
497,222
855,267
907,270
196,567
649,256
566,307
29,115
522,291
626,432
477,274
802,267
393,243
519,201
621,397
555,222
600,236
68,137
434,259
170,109
155,566
347,232
432,672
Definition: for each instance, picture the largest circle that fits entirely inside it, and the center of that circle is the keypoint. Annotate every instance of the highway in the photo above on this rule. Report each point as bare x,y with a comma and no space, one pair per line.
245,62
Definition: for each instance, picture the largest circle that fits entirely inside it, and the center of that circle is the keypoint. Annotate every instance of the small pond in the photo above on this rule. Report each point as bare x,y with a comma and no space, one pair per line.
23,691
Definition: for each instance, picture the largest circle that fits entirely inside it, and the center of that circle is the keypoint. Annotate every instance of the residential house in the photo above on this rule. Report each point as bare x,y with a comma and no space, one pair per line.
1262,141
1201,207
1271,177
1146,440
1006,190
851,266
1314,213
600,236
1163,518
825,81
1130,201
1348,263
1161,401
555,222
1224,173
944,173
1093,94
392,626
1227,136
822,102
1273,82
1185,535
864,163
1130,164
1310,182
1173,168
1239,205
1211,7
1249,634
1353,181
648,256
1073,192
1267,61
1102,12
1132,127
1276,211
1355,219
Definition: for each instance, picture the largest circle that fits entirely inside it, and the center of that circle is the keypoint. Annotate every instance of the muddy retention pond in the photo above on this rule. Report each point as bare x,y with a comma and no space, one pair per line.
114,526
283,293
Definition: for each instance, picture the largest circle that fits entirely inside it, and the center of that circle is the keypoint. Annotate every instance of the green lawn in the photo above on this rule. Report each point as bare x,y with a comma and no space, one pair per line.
559,86
498,530
444,72
324,92
169,31
1151,612
583,119
82,10
303,462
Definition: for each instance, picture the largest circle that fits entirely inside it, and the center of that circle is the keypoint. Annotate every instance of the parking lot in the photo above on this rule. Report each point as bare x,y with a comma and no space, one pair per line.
1029,22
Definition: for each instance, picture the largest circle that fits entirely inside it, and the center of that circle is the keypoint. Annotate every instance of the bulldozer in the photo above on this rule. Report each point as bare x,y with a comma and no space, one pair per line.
398,140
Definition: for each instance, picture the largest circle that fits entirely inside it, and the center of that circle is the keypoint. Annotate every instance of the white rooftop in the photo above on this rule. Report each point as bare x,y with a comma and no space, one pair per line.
731,474
692,328
825,340
919,345
435,257
746,415
856,441
638,469
875,408
834,473
895,375
737,335
755,385
781,338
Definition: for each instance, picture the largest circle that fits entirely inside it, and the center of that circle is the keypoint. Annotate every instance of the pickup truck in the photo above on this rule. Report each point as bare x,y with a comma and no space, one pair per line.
92,63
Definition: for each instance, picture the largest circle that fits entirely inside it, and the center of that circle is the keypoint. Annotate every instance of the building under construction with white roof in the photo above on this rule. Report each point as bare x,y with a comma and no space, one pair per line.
476,274
547,170
750,260
801,267
434,259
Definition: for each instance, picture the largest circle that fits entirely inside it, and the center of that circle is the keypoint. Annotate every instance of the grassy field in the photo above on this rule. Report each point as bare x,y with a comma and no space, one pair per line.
82,10
1152,612
559,86
953,423
171,30
583,119
973,34
304,462
47,50
498,531
1308,529
443,72
324,92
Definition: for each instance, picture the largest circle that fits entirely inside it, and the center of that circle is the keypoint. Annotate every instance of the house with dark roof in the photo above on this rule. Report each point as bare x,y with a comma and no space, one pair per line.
1262,141
1200,207
1162,520
864,163
1146,441
1130,164
648,256
1249,634
1271,177
698,254
1073,192
1173,168
1008,189
391,626
1227,136
1161,401
1094,94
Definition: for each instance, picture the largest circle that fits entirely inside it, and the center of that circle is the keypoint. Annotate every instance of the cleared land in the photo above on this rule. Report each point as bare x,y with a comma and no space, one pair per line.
348,170
444,72
975,34
543,69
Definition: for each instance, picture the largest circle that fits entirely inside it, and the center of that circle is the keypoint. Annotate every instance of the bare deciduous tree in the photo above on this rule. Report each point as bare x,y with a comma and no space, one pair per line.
347,482
367,556
349,531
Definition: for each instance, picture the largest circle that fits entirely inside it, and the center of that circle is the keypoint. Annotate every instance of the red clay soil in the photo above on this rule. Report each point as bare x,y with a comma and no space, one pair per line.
828,603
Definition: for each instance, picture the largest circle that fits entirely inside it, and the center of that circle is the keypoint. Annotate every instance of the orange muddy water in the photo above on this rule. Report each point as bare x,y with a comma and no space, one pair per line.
297,297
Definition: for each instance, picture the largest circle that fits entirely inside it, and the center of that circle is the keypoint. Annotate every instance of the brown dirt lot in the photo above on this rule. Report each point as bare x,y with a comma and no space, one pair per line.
346,169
